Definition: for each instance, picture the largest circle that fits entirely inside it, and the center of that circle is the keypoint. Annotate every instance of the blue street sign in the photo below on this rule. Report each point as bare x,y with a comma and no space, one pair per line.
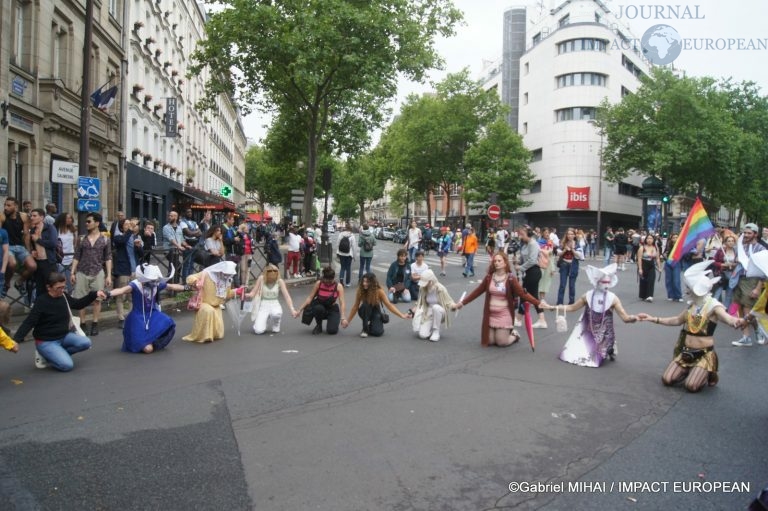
88,188
88,205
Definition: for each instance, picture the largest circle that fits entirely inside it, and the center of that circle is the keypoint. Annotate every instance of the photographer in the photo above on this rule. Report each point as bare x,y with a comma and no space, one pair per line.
192,235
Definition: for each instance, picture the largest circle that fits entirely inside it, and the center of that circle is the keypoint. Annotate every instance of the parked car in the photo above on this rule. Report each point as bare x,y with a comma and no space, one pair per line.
400,236
387,233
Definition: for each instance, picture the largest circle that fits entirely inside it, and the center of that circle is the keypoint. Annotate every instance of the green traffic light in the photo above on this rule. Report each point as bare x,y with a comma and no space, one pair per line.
665,198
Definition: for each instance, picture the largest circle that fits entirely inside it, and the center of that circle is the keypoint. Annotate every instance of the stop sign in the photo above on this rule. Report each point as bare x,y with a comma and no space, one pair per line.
494,212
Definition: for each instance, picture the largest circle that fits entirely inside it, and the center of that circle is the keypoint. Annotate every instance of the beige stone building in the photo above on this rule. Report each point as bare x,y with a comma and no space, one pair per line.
151,148
40,82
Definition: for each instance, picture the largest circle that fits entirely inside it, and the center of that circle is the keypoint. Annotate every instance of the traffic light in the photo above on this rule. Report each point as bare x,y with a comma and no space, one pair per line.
226,191
665,199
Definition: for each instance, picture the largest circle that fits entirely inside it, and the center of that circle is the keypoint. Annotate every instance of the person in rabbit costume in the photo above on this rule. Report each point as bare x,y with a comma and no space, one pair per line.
695,361
593,339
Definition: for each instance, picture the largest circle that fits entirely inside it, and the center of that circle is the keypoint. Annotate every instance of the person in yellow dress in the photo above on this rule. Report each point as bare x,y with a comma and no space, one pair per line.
216,289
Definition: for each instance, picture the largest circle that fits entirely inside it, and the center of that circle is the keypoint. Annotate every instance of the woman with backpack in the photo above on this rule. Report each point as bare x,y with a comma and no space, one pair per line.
346,254
366,243
325,302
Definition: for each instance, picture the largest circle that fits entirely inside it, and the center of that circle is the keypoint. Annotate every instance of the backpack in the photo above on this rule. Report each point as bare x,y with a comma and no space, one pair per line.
367,243
344,245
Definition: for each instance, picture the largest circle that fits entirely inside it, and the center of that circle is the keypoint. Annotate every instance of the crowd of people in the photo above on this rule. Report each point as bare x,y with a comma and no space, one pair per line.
60,271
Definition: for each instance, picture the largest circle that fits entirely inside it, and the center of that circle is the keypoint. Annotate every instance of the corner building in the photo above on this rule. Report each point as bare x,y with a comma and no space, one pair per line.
557,67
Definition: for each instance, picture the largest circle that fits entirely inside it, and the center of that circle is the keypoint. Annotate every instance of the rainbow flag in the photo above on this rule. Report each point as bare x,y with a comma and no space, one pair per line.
697,226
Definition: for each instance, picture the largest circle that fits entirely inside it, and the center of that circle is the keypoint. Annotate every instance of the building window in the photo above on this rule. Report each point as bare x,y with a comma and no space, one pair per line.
629,190
536,154
564,21
572,79
537,39
59,51
525,98
577,113
455,190
536,187
598,18
631,67
113,6
625,91
21,35
525,128
527,69
582,45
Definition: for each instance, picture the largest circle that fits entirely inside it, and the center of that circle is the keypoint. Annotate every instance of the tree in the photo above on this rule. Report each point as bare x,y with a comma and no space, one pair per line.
333,64
359,180
426,143
498,163
677,129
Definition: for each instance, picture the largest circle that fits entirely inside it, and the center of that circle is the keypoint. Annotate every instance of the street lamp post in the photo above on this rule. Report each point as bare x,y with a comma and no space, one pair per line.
599,188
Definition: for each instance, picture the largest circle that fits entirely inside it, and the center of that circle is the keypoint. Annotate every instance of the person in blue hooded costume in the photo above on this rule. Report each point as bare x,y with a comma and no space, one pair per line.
146,328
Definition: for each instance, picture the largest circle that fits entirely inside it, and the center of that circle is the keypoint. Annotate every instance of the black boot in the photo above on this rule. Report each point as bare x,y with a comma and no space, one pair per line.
318,329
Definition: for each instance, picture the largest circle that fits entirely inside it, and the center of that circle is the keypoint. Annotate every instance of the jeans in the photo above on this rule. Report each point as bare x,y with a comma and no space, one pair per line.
187,267
608,252
469,269
568,275
403,296
58,352
346,269
672,281
412,252
365,266
67,272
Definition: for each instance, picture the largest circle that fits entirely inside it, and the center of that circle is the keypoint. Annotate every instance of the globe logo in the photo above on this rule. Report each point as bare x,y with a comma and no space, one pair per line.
661,44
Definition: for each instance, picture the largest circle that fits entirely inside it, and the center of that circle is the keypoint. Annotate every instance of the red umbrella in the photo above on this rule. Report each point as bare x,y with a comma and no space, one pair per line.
529,325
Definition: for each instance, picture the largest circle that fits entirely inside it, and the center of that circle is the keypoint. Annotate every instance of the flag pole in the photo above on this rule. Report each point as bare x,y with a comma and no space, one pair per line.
85,106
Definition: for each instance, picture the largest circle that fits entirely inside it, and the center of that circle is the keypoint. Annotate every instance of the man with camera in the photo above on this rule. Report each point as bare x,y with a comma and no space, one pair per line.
192,235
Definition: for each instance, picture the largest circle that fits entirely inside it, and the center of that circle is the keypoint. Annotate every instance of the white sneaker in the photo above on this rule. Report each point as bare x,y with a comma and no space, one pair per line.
435,336
40,361
363,334
743,342
539,324
518,323
761,340
649,299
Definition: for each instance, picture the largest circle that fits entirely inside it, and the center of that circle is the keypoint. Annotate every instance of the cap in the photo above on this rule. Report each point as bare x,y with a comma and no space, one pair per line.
752,227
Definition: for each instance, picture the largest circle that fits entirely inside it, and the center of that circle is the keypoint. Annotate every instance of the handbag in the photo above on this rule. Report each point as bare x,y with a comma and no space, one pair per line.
561,325
384,314
196,300
75,321
307,315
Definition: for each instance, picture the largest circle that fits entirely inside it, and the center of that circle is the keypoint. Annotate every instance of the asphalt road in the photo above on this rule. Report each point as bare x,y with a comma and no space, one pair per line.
298,422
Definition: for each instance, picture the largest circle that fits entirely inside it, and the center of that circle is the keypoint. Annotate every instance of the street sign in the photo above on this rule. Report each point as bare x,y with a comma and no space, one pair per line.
297,205
64,172
88,187
88,205
494,212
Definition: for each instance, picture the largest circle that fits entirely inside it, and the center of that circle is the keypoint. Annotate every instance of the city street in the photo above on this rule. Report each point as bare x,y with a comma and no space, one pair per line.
292,421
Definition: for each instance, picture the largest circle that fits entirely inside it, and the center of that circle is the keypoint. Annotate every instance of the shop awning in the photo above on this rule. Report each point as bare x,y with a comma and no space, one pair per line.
258,217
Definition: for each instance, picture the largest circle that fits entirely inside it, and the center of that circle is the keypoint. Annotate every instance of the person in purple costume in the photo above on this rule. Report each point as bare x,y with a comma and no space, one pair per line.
593,339
146,328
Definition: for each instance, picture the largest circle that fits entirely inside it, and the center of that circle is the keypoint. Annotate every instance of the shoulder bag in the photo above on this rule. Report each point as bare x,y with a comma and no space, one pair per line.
74,321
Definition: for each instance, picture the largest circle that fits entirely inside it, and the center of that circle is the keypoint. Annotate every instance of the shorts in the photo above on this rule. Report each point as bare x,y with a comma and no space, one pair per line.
620,250
441,253
742,291
85,284
20,252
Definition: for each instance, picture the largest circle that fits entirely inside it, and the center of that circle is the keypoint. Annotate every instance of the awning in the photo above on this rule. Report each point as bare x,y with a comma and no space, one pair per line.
258,217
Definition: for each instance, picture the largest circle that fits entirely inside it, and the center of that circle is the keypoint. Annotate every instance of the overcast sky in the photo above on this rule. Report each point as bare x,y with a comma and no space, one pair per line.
480,38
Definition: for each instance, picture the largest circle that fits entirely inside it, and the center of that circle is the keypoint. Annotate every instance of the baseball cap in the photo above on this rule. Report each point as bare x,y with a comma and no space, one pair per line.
752,227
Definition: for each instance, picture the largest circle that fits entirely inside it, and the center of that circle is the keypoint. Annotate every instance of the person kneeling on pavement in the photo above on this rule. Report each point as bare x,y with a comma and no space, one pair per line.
370,301
51,319
399,278
431,307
